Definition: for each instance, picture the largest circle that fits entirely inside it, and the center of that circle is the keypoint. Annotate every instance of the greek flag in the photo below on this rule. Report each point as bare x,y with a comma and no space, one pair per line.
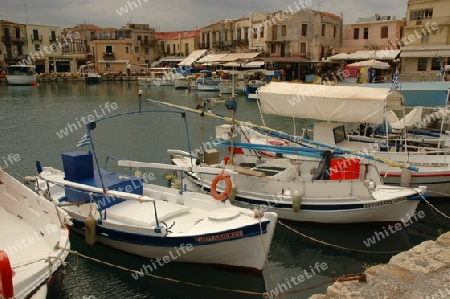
85,140
395,81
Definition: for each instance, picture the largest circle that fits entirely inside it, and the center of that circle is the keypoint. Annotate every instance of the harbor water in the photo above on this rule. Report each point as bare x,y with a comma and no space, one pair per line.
41,122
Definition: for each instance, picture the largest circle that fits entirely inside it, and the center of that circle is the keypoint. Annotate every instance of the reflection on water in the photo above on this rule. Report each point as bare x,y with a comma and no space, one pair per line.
31,118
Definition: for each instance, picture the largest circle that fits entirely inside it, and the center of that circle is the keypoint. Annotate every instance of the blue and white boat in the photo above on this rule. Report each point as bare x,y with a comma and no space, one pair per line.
153,221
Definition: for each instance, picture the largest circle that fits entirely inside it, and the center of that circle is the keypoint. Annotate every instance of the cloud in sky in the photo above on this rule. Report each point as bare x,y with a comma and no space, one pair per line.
171,15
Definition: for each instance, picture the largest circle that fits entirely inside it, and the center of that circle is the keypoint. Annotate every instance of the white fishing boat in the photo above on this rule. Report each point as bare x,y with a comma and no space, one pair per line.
187,82
92,77
163,76
228,88
206,82
34,241
158,222
338,105
21,75
143,81
331,190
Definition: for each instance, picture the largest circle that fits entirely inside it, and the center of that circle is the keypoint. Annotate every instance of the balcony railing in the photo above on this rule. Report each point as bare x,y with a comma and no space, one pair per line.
13,39
53,38
36,38
108,56
147,42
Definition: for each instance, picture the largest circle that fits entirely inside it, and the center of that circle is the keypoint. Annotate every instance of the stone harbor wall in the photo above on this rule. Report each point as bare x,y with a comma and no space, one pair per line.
422,272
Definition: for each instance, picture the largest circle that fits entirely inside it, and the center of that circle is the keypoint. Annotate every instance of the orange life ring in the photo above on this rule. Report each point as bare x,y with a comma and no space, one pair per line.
6,274
228,186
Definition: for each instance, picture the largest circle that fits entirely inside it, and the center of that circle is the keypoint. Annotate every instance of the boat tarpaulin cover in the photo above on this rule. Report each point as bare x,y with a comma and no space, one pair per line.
330,103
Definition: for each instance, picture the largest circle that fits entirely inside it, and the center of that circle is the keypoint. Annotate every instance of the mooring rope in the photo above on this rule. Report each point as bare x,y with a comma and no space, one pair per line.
361,277
334,245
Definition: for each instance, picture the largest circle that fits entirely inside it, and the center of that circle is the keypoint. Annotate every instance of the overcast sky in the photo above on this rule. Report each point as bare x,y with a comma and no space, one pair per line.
172,15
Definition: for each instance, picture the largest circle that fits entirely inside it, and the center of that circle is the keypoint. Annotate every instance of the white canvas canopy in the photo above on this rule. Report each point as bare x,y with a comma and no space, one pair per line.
193,57
330,103
371,63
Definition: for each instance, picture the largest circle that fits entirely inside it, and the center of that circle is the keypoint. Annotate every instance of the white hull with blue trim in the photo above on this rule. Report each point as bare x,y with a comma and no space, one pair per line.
271,186
164,223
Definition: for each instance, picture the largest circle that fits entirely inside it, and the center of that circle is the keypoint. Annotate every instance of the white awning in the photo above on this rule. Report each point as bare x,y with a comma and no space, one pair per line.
196,54
254,64
340,56
239,56
232,64
374,54
211,58
425,53
330,103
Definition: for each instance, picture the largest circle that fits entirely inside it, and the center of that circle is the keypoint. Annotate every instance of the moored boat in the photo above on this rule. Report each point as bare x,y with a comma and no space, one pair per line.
354,104
21,75
34,241
332,191
158,222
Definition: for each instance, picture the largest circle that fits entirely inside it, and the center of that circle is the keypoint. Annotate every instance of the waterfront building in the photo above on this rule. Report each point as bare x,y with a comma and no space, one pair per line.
177,43
144,43
13,43
426,40
45,49
229,35
373,33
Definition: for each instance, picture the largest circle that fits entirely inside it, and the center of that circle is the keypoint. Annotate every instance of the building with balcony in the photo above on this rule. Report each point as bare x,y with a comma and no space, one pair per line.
257,35
307,33
373,33
45,49
13,42
177,43
426,40
112,55
230,35
144,43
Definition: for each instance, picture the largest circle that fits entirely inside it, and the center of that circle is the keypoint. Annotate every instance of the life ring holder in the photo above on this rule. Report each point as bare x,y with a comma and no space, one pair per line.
228,185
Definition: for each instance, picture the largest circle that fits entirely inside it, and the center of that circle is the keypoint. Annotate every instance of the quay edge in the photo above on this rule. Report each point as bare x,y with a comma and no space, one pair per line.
421,272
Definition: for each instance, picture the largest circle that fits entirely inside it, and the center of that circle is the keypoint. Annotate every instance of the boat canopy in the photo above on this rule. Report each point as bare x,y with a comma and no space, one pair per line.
427,94
330,103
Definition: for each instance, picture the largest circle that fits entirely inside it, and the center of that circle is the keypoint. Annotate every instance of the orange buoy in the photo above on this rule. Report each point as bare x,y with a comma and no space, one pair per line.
228,185
6,274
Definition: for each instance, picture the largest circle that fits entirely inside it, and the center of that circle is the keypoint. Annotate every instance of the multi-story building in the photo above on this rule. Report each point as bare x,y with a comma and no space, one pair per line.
257,35
426,40
45,49
307,33
177,43
13,42
373,33
111,49
144,43
230,35
297,39
112,55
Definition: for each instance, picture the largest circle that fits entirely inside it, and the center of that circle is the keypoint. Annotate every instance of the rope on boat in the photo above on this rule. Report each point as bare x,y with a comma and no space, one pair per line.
271,131
361,277
334,245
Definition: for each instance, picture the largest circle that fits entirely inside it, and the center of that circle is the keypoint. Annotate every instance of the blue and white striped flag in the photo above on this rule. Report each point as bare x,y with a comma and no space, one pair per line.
85,140
395,81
